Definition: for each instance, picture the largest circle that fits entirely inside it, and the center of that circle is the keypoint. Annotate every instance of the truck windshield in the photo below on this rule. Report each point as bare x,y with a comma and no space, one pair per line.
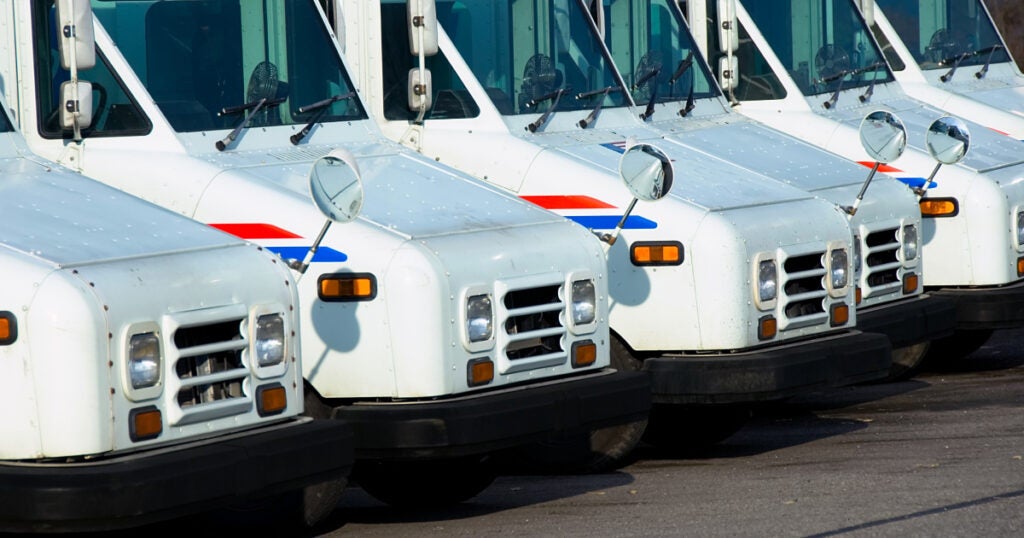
824,44
523,50
649,43
5,124
939,32
197,58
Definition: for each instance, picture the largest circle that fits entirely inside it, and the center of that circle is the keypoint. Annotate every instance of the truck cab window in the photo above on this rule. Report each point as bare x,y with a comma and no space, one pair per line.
114,111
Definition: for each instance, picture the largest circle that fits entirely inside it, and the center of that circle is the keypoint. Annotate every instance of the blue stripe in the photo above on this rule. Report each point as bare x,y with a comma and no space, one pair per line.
915,182
607,222
323,254
614,148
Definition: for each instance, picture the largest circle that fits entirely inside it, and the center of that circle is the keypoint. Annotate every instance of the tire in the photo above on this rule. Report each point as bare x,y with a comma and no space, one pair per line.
425,484
598,451
906,361
958,346
318,500
693,429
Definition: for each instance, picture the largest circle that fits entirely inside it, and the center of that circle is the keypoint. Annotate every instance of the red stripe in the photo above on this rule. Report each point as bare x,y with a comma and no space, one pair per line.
257,230
1000,132
567,202
882,168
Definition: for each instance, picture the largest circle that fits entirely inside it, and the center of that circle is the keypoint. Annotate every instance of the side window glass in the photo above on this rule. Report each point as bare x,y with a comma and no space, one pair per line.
451,100
114,112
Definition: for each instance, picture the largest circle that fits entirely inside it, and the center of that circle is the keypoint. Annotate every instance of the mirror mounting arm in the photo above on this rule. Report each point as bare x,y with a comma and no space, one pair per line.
302,265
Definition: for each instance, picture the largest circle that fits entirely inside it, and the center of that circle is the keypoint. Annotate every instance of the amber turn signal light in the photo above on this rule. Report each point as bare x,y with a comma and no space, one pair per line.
910,283
656,253
271,399
584,353
8,328
346,287
939,207
767,328
839,315
145,423
479,372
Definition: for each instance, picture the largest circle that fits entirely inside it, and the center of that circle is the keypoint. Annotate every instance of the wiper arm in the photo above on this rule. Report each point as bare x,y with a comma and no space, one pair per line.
255,107
321,108
949,75
681,69
984,70
603,92
689,104
554,96
842,75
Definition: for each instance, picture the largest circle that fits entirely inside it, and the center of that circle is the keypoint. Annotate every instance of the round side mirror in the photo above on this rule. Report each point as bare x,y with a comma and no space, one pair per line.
883,136
948,140
335,186
647,172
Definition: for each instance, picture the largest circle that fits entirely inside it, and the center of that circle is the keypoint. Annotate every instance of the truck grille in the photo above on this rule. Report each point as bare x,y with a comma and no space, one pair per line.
210,371
803,287
881,263
532,327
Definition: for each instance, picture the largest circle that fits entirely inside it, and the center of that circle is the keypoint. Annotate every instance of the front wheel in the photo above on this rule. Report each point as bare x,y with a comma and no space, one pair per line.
425,484
599,450
907,360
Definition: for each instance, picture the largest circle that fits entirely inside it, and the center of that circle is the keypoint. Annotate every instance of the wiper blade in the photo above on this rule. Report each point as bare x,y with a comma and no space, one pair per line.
984,70
321,108
949,74
253,107
681,69
603,92
843,74
554,96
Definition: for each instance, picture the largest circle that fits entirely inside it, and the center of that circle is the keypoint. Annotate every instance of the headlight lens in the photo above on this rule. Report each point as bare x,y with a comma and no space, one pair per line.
767,280
910,242
478,318
584,302
838,265
269,340
856,255
1020,228
144,360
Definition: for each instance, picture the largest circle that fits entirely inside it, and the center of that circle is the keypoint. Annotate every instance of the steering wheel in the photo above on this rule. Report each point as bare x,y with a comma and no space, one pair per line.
831,60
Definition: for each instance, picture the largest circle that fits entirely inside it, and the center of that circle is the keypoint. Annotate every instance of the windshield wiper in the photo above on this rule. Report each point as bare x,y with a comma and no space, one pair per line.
681,69
255,107
554,96
984,70
965,55
649,111
603,92
321,108
840,75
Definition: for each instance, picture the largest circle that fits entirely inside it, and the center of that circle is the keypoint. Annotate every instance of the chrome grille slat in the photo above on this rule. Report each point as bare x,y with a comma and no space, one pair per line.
234,345
881,271
213,378
796,297
802,290
533,329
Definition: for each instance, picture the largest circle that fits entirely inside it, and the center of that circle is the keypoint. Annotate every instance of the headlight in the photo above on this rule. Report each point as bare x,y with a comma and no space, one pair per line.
1020,228
269,340
910,241
478,318
767,280
144,360
584,302
838,265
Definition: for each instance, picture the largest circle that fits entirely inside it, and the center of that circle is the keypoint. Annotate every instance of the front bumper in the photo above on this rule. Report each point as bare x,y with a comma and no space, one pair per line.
986,308
910,321
772,373
480,423
161,484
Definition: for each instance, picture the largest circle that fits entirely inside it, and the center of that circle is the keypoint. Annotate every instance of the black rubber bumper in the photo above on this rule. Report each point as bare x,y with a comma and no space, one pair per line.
986,308
770,373
480,423
910,321
156,485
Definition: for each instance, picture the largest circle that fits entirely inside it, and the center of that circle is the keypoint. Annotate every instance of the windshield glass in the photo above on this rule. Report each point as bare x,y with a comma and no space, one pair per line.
648,35
198,57
521,50
5,124
823,44
938,32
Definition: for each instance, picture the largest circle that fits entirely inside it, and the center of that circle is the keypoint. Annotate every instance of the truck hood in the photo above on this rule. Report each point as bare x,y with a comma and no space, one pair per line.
66,219
404,192
701,178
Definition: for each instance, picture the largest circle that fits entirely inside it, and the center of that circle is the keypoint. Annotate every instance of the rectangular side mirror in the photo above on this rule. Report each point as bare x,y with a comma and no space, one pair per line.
728,27
71,103
77,39
420,87
728,72
422,17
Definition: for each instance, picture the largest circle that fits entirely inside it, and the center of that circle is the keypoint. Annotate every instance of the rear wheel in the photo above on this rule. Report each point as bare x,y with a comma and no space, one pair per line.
425,484
319,500
596,451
